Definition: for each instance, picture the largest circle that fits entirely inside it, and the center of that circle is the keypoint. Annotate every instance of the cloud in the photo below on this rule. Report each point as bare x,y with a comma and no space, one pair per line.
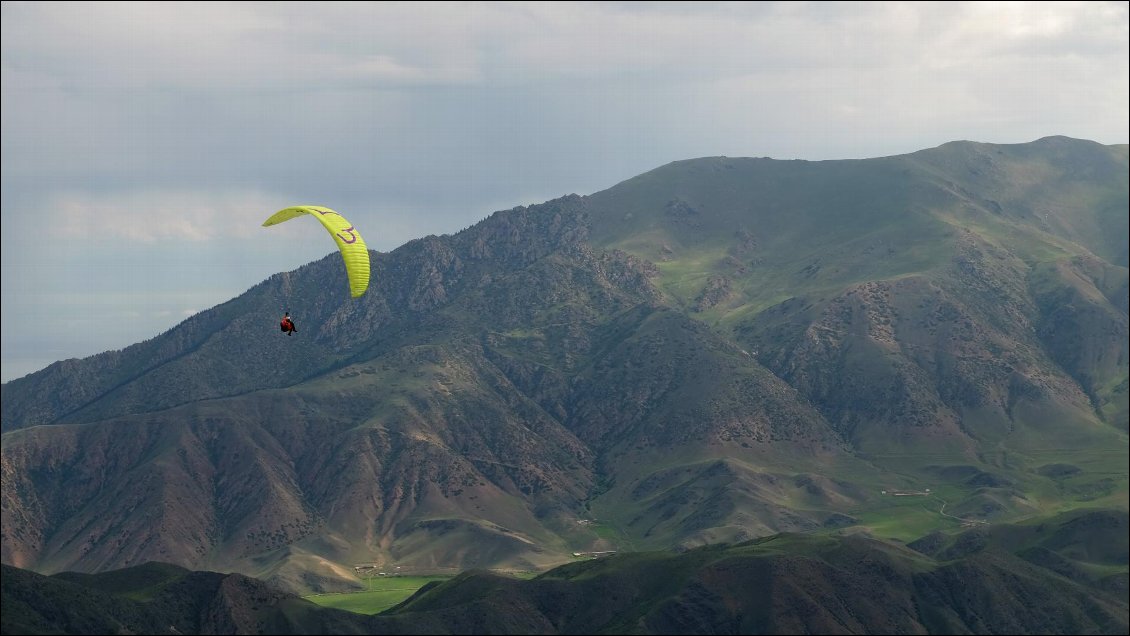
158,215
297,47
240,47
1040,28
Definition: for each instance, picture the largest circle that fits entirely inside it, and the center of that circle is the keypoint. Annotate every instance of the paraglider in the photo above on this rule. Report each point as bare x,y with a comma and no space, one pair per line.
348,240
287,325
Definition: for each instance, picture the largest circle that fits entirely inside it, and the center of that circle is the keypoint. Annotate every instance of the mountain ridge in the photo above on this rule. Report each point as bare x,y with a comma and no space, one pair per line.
1030,578
715,350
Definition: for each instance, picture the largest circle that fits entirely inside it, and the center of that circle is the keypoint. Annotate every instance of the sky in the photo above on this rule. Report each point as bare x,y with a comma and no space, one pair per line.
143,144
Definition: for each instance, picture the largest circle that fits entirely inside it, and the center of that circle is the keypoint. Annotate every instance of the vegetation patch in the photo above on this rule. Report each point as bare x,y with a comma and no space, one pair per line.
382,593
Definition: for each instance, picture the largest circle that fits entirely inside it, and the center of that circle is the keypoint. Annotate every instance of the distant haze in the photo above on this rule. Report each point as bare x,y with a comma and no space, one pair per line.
144,143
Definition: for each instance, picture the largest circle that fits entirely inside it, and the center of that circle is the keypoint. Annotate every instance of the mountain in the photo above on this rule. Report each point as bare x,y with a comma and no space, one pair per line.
805,584
718,350
157,598
1045,577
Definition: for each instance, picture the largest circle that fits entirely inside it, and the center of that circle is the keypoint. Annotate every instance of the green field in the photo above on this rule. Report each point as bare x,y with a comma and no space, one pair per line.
385,592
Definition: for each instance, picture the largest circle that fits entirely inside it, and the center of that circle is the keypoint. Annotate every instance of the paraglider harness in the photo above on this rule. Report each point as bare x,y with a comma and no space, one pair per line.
287,325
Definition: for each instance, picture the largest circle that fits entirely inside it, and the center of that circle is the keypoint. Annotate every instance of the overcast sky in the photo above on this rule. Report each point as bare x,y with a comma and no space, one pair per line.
145,143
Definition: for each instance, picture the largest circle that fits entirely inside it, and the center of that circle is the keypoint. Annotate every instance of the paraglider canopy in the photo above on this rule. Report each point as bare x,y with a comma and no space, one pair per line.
349,241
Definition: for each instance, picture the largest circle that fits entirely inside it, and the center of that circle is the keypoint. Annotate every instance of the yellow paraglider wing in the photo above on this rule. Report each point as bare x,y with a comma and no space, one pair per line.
348,240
